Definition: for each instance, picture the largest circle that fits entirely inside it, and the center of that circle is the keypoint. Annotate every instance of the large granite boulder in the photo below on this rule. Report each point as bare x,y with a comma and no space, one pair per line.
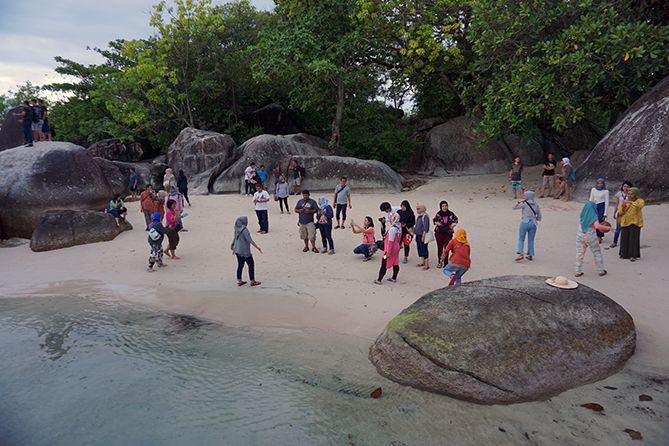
505,340
267,150
202,155
118,182
116,150
51,175
148,172
273,119
11,132
62,228
635,149
454,146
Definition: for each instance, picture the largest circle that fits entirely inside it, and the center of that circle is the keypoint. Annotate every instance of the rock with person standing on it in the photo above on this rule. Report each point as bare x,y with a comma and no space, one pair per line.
11,132
635,149
51,175
202,155
62,228
116,150
505,340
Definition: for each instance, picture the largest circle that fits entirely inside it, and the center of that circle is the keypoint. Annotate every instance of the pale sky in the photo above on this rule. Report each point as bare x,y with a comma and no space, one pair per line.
32,32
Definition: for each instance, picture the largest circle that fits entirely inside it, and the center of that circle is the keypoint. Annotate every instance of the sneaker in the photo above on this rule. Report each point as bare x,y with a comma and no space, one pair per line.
324,250
331,252
405,261
613,245
392,280
377,282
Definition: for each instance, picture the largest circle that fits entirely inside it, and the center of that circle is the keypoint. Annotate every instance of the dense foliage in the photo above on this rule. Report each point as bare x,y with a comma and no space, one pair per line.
343,68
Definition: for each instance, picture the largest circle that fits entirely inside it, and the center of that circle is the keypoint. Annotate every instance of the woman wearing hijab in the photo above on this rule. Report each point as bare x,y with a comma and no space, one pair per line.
325,214
182,185
169,181
600,196
407,220
587,237
621,196
444,222
281,192
241,248
421,228
391,246
460,260
529,218
631,221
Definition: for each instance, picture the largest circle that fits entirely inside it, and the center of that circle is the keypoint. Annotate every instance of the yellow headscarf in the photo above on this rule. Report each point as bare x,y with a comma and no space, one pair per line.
461,236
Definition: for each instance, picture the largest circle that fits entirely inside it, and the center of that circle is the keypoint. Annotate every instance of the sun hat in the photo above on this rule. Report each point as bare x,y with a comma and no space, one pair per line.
562,282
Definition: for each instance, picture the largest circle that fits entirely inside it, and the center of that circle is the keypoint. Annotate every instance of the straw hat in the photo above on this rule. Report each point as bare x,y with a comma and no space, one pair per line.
562,282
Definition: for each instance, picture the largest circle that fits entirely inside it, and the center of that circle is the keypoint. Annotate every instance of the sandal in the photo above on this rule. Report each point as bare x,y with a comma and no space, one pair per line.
529,257
632,259
241,283
315,250
305,249
255,283
425,268
392,280
520,257
603,273
578,274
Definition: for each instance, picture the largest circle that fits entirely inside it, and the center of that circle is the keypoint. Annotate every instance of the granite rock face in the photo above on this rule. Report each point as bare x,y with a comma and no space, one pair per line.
115,150
51,175
11,132
635,149
64,228
505,340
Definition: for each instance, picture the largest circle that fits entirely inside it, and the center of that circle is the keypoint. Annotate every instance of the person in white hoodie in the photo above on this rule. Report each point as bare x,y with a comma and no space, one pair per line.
600,196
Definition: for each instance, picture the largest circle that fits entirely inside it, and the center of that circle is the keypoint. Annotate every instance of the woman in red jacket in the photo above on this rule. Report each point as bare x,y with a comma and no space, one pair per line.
460,260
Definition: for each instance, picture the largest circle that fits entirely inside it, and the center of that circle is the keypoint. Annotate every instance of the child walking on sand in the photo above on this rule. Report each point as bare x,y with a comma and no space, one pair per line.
157,233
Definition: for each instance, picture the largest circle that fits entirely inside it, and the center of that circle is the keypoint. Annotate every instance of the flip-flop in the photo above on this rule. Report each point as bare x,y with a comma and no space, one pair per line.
305,250
255,283
315,250
241,283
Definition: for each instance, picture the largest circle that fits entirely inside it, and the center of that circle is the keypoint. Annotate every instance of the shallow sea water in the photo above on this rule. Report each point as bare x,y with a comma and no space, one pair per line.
94,370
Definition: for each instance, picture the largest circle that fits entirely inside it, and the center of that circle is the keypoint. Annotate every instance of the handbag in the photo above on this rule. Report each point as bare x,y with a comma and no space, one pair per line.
429,237
408,238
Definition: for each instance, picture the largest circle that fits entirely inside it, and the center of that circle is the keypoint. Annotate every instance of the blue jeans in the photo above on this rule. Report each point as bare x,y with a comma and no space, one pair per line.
27,131
617,234
530,229
458,270
361,249
601,210
326,235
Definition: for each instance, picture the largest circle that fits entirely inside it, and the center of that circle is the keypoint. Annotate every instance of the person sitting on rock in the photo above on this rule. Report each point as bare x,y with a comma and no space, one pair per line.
118,210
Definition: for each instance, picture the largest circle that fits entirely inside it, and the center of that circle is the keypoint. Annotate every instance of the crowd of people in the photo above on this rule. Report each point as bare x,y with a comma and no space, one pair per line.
34,116
400,226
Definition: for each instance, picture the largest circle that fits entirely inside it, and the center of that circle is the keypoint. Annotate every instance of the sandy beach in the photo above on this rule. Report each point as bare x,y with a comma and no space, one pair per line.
336,293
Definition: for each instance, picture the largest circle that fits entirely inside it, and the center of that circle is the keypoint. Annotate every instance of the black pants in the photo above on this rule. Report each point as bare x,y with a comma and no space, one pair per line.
184,192
326,235
341,210
240,267
382,271
282,202
250,187
405,231
630,242
263,220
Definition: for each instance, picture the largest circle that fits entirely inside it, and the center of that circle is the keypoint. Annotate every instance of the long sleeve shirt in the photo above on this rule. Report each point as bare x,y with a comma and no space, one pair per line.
632,215
242,244
600,196
527,214
422,225
461,253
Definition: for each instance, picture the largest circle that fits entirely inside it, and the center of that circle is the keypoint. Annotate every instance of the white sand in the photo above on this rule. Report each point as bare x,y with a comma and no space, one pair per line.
335,293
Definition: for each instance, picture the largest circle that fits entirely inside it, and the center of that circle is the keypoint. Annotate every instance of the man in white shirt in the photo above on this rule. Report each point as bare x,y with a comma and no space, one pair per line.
260,199
249,174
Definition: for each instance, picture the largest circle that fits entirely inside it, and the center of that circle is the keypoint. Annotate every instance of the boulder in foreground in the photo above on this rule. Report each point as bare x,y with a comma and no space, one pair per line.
64,228
505,340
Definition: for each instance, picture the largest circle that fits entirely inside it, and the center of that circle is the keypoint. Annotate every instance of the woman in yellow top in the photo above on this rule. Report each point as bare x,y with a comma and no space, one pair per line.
631,221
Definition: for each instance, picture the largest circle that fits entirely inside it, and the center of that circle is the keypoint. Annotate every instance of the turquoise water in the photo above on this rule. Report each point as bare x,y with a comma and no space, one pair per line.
82,371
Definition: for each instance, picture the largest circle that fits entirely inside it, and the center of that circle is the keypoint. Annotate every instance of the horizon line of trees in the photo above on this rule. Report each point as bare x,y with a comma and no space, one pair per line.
343,67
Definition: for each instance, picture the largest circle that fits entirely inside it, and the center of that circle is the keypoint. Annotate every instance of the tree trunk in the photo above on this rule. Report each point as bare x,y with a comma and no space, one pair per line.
335,140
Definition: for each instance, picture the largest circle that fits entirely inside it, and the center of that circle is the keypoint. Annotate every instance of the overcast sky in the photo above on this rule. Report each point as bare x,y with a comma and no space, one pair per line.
32,32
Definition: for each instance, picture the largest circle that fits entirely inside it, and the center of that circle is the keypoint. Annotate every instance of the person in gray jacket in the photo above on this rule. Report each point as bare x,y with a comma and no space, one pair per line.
241,248
531,215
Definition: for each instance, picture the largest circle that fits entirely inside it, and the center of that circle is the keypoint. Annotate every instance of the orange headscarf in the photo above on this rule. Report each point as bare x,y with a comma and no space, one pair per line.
461,236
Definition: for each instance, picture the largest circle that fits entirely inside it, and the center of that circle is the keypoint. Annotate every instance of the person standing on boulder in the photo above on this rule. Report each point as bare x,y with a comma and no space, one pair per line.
586,237
515,175
531,215
156,235
307,208
548,177
38,121
460,260
621,196
241,248
182,185
444,222
631,221
342,199
26,114
600,196
132,183
260,200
